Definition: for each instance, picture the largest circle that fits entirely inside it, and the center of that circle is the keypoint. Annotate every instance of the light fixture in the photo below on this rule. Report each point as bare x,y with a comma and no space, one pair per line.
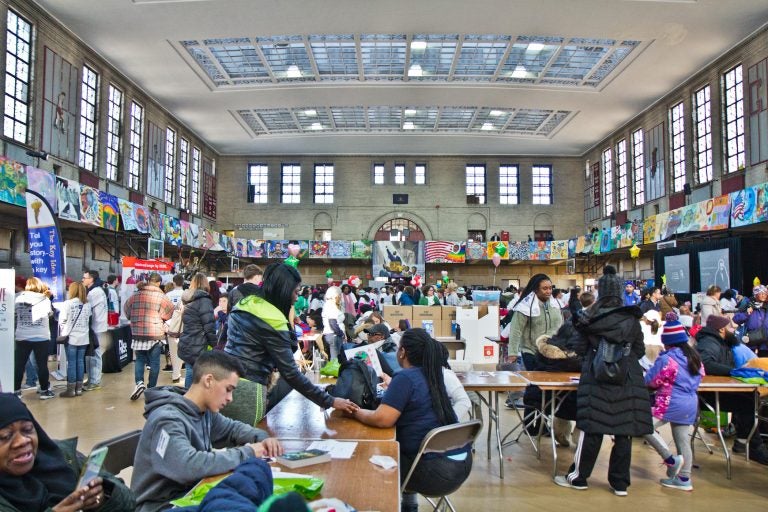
42,155
520,72
410,112
415,70
496,113
408,125
293,71
487,126
418,45
316,126
310,113
534,47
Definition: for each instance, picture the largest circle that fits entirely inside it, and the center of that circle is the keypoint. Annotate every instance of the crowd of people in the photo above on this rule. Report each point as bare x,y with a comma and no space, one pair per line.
238,349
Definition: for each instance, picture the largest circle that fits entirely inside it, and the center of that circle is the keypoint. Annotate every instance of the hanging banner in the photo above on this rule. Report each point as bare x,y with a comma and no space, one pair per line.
13,181
90,206
519,251
45,253
136,271
68,199
445,252
7,329
559,250
141,214
318,249
110,218
127,215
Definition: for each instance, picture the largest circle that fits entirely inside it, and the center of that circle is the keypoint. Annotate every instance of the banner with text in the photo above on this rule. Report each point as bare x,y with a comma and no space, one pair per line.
45,253
7,318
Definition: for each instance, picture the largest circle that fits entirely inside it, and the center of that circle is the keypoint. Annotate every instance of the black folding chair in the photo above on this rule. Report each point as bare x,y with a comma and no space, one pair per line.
121,451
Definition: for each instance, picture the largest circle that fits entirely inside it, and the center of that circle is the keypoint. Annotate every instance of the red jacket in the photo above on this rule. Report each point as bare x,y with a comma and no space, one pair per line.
148,309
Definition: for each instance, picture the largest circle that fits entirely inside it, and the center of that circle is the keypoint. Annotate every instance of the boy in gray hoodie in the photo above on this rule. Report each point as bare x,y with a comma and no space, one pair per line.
176,448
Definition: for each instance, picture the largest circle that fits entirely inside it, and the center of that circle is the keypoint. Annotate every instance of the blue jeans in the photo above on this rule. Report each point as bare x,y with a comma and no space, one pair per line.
188,376
31,371
75,363
151,357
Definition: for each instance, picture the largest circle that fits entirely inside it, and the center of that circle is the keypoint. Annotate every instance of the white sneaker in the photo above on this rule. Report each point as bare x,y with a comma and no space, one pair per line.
56,375
138,390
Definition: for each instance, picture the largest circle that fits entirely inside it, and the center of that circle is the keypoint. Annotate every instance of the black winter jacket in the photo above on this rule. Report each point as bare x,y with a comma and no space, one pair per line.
260,337
716,353
617,409
199,331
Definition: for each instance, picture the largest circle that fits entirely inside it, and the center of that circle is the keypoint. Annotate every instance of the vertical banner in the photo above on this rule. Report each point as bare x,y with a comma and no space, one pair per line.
7,318
45,253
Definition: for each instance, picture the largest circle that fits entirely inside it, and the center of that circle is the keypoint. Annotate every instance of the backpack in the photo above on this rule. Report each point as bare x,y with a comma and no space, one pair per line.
356,382
174,325
610,364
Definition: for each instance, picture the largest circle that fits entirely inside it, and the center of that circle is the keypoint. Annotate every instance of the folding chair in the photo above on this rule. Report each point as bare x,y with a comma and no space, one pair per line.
121,451
441,440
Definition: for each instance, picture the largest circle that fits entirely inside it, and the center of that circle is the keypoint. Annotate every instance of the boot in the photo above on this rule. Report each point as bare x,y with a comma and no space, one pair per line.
79,388
70,392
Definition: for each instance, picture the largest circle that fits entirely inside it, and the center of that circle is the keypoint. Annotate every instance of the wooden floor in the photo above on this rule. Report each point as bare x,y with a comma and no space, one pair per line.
527,486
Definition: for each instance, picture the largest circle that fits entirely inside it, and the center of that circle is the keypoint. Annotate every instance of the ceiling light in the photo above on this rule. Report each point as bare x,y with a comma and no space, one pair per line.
410,112
496,113
316,126
415,70
418,45
408,125
520,72
487,126
293,71
534,47
310,113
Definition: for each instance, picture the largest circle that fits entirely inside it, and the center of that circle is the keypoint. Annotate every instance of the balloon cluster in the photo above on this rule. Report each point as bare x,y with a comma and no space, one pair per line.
499,250
416,280
293,252
354,281
446,279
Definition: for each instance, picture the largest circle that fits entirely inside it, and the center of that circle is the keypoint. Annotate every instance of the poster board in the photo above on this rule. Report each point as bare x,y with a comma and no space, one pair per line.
371,359
7,319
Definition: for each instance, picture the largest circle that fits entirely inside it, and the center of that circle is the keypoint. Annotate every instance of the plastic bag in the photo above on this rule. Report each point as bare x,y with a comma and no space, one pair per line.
195,496
307,487
331,369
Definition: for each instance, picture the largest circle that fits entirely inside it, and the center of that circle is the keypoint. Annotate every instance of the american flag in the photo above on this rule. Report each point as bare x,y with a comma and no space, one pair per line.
738,209
436,251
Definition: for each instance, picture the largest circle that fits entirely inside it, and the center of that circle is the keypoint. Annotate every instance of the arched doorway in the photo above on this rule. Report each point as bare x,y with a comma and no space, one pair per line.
399,229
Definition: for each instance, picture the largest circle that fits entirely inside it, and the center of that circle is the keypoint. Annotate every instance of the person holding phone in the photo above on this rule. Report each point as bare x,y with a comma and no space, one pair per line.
39,474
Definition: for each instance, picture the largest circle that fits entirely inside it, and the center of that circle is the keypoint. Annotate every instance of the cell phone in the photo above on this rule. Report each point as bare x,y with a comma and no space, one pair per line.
92,466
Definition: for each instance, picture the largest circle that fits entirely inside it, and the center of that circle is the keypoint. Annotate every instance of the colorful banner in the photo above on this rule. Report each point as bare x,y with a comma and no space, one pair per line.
172,230
110,218
318,249
276,249
649,229
13,182
45,245
127,215
155,224
90,205
475,250
397,259
572,243
339,249
519,251
743,207
141,214
445,252
716,212
558,250
68,199
44,183
360,249
503,249
539,251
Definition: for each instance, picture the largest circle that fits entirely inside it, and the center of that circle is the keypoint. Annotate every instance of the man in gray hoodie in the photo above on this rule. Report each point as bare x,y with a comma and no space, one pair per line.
176,448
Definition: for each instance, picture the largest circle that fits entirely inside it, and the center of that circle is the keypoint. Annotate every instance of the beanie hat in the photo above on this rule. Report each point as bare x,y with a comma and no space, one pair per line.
609,284
717,322
13,410
674,333
759,289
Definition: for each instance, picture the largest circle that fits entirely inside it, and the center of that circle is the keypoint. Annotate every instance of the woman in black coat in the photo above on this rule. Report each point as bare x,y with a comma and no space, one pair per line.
621,410
199,325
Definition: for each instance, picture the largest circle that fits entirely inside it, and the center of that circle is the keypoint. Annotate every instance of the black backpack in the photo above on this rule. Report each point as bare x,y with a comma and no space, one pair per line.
356,382
610,363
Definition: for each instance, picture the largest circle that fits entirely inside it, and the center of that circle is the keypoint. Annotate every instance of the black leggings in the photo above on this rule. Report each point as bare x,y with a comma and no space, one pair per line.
23,349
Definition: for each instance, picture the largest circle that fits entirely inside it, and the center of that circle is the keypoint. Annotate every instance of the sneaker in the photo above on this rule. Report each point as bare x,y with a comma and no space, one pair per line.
47,395
168,368
17,393
92,386
674,468
515,404
176,381
56,375
739,447
676,483
138,390
618,492
759,454
562,439
26,386
562,481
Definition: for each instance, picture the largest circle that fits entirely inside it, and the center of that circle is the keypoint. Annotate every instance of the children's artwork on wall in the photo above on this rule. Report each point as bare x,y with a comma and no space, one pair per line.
110,217
340,249
256,248
44,183
539,250
277,249
717,212
519,251
502,251
241,250
318,249
476,250
207,239
60,107
649,229
141,214
559,250
13,182
572,244
90,206
155,224
127,215
398,259
172,229
361,249
445,252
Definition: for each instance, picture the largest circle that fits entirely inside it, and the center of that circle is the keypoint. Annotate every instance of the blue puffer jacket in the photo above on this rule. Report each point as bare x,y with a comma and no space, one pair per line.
260,337
242,491
676,389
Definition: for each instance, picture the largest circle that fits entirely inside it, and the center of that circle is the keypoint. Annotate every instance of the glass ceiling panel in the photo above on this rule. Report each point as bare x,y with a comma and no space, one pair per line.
383,55
434,54
287,57
384,117
349,117
277,120
335,55
251,120
574,62
455,118
528,120
422,118
480,58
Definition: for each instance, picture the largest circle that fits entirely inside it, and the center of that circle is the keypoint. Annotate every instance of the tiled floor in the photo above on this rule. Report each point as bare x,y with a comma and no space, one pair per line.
527,486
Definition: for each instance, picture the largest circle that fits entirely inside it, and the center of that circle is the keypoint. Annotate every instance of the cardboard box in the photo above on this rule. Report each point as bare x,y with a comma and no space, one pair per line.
427,317
448,323
393,314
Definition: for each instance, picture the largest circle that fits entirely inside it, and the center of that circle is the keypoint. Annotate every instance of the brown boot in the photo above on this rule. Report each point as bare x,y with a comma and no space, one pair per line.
70,392
78,388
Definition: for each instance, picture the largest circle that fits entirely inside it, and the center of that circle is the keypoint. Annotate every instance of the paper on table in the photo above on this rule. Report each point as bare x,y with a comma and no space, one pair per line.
385,461
337,449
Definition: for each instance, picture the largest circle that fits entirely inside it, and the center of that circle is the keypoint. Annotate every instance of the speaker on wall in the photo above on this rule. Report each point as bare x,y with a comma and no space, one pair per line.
399,198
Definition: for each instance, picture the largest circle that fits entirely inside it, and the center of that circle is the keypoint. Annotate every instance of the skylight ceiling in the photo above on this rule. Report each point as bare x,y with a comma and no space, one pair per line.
483,58
387,119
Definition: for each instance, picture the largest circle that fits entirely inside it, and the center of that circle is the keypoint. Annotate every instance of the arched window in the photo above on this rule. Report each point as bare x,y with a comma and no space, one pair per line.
399,230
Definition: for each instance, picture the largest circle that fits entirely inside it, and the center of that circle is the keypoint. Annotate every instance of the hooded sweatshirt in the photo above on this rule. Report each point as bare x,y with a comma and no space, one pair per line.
175,450
676,399
532,319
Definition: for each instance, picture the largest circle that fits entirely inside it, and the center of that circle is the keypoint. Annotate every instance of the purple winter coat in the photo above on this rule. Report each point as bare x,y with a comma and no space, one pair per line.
753,323
676,389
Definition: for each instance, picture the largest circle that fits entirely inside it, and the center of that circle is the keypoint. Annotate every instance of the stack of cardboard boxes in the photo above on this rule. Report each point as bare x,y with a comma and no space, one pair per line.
440,321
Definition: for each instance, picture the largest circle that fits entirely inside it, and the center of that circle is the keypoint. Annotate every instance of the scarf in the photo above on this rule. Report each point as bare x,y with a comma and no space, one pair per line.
529,306
49,481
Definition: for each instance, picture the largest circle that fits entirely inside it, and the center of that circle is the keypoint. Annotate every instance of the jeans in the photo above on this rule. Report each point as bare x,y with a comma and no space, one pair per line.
23,350
31,370
151,357
188,376
75,363
94,362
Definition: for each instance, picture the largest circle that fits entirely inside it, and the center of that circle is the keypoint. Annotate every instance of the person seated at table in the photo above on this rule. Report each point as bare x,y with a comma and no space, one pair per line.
176,447
714,343
39,474
415,402
261,337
